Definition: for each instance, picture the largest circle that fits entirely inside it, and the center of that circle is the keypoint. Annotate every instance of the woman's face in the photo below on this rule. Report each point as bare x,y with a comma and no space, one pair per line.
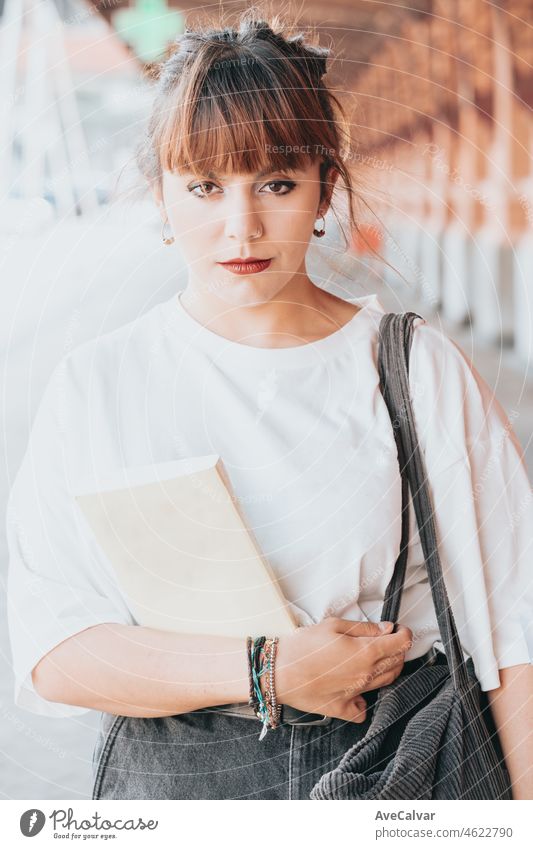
223,217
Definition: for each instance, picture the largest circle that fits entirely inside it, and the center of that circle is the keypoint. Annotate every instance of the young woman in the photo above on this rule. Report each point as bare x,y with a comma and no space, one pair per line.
254,361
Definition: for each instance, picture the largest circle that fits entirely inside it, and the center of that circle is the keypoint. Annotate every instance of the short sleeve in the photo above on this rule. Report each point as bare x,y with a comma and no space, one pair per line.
482,504
55,587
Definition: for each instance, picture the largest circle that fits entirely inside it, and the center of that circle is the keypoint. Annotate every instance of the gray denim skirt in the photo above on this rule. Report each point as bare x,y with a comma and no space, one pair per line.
208,754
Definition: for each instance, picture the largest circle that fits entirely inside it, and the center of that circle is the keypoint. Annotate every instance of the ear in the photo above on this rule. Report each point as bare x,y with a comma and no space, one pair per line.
332,175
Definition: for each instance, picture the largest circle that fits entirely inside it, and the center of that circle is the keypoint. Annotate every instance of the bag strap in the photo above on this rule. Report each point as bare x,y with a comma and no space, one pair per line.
395,338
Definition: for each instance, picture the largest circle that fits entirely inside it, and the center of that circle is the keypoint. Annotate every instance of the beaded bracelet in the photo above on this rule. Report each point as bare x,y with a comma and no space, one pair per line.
273,709
261,659
260,669
263,712
254,661
251,688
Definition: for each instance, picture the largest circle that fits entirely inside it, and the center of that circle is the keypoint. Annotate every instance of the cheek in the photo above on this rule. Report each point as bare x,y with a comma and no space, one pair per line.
185,215
292,228
192,228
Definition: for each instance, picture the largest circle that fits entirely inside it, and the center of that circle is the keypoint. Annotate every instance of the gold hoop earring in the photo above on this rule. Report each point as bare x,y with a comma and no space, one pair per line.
321,232
167,240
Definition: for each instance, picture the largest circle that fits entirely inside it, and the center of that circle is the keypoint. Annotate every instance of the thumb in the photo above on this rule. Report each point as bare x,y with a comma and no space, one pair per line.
365,629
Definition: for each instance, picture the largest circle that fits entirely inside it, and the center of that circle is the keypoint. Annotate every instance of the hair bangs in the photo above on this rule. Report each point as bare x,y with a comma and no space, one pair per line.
233,127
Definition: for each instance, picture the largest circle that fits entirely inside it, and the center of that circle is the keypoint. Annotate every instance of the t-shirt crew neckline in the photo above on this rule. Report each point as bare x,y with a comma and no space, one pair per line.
308,353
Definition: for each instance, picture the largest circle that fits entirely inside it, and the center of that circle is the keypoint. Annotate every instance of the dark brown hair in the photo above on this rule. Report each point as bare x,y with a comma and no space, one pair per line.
245,98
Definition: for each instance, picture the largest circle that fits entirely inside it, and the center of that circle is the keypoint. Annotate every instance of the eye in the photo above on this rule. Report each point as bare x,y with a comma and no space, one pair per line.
201,194
289,185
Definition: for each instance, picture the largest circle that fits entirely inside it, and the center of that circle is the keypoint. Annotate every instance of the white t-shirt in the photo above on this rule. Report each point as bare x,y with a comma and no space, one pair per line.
307,441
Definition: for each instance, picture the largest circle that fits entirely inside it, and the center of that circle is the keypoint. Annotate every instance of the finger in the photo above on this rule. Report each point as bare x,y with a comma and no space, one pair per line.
389,644
393,663
385,677
354,710
367,681
351,709
388,662
363,629
403,630
359,706
390,666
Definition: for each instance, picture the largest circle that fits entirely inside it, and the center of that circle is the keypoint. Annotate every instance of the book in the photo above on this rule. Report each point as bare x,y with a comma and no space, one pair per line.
181,550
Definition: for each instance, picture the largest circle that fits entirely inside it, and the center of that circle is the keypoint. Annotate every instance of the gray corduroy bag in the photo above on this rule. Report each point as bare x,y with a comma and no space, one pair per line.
432,735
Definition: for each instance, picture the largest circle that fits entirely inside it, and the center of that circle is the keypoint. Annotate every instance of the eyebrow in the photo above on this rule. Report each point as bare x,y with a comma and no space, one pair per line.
211,175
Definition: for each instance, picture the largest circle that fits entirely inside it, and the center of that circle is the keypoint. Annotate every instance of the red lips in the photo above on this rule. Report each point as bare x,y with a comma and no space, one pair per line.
246,266
240,260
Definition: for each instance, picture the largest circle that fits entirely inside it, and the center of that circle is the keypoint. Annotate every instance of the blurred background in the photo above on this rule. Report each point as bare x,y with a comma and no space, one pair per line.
440,95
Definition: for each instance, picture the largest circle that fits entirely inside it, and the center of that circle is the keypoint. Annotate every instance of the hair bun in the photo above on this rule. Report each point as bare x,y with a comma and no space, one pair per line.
314,58
258,28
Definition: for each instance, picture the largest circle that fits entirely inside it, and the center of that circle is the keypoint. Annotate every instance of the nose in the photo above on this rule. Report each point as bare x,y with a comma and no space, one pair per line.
242,219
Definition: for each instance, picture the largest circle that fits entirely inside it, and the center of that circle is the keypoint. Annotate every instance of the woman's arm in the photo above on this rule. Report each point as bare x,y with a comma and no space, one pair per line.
136,671
512,708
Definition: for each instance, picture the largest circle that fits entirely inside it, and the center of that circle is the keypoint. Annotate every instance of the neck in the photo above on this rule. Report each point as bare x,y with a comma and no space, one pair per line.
299,312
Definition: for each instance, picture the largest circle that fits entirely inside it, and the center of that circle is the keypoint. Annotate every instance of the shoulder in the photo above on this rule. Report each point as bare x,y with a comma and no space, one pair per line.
439,362
455,409
438,366
112,355
90,377
442,369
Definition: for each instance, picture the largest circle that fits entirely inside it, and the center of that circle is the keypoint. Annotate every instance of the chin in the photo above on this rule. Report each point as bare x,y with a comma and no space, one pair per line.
246,292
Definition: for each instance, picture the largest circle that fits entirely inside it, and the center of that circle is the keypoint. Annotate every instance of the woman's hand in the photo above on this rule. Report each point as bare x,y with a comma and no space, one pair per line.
324,668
